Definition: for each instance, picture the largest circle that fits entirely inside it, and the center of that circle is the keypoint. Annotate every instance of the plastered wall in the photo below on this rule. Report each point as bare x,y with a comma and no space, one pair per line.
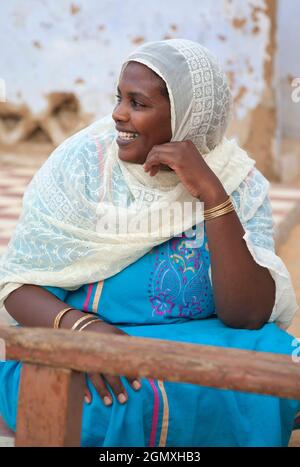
60,60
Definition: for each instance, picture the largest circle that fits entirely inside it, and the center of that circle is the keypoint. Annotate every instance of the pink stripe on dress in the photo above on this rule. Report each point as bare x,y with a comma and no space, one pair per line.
155,414
87,300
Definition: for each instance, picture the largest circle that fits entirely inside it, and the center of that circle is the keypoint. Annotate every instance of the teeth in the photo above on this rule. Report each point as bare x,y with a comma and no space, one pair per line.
125,135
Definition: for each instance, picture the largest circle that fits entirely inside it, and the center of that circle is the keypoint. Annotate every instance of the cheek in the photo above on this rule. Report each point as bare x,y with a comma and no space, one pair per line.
163,125
147,129
161,132
154,128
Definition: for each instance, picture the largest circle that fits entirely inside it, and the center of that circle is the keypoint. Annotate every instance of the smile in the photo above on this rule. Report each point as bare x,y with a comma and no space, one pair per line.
125,138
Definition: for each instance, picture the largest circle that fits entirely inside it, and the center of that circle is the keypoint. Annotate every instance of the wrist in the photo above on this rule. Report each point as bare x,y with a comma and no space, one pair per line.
214,197
70,318
96,326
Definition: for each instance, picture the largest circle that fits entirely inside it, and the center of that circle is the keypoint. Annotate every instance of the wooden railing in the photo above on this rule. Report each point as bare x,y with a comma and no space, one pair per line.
54,362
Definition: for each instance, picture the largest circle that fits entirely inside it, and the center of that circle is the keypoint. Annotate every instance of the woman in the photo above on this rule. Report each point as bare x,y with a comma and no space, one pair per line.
209,276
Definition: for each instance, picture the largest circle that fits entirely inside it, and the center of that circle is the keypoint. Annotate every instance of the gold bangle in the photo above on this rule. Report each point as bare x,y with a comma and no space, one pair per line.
220,206
80,320
60,315
221,212
87,324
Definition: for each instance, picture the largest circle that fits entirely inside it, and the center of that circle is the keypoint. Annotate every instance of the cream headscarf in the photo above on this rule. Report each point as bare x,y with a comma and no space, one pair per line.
61,238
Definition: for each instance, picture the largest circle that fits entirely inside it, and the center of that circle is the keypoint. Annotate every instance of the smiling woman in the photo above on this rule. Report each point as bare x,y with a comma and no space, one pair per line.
213,279
142,115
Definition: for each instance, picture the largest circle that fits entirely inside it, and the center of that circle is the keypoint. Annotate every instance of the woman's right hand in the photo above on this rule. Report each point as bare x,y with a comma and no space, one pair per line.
100,380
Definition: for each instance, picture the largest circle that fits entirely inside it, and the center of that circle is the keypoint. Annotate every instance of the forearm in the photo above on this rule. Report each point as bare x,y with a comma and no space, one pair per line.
33,306
244,291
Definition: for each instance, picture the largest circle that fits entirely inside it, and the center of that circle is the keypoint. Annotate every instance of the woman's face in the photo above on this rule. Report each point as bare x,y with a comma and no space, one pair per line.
142,114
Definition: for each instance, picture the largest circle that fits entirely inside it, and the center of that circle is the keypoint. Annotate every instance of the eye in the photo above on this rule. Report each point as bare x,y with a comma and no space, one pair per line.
136,104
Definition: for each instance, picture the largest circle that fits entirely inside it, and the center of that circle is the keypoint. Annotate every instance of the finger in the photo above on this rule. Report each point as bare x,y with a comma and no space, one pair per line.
87,395
135,383
153,164
117,387
154,170
158,158
100,386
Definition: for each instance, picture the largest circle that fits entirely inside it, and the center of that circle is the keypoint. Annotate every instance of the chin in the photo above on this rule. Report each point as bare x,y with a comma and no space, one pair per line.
127,157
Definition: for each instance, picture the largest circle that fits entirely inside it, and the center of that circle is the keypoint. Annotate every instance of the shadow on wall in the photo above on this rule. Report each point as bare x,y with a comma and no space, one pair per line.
62,118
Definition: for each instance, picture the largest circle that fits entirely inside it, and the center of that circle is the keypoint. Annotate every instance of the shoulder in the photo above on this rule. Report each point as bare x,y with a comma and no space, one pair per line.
254,209
251,194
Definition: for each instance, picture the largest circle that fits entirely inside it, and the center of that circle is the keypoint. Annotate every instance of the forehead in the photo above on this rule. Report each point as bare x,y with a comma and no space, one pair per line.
140,78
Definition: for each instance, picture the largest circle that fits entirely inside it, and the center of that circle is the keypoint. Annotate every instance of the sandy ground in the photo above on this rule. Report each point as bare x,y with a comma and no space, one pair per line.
290,253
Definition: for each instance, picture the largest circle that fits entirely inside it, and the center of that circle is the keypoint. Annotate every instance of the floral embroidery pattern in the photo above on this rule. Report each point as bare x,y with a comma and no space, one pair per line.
179,284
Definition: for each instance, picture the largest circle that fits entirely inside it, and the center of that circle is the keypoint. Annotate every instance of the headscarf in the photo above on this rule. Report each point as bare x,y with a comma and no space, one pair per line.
200,98
61,238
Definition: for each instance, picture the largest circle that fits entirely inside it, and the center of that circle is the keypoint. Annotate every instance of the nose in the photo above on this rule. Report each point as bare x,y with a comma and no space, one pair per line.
120,113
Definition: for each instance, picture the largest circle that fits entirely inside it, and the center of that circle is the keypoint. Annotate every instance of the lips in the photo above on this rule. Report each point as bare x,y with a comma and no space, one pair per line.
126,137
124,142
124,130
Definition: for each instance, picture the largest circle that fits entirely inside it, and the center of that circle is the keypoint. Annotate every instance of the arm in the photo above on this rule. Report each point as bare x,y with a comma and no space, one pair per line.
244,291
33,306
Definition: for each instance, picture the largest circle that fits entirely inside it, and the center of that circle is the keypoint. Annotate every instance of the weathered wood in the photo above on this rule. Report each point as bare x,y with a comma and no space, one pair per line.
5,430
50,407
242,370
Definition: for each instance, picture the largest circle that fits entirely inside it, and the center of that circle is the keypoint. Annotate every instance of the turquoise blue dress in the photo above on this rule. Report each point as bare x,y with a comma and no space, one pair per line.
167,294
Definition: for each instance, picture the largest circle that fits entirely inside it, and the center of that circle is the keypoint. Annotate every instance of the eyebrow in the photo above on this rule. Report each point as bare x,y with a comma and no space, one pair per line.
134,94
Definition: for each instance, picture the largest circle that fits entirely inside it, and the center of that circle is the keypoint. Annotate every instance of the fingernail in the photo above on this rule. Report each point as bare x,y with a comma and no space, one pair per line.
122,398
136,384
87,399
107,400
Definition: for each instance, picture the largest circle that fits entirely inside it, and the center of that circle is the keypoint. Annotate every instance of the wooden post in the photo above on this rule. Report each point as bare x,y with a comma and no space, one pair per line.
50,406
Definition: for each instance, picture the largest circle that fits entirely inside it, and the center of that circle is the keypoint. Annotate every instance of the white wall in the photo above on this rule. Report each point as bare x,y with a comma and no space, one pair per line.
78,46
289,64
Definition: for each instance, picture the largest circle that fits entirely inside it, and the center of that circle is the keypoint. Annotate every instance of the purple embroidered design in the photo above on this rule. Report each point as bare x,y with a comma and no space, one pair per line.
161,304
179,284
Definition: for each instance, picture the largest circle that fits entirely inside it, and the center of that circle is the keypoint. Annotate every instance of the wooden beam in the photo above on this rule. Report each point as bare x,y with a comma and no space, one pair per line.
241,370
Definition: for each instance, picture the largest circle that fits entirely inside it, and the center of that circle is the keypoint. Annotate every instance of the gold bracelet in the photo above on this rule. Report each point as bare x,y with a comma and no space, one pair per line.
80,320
87,324
220,206
221,212
60,315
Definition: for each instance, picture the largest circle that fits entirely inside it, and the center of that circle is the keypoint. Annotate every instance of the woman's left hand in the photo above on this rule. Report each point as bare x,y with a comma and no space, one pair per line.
184,158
